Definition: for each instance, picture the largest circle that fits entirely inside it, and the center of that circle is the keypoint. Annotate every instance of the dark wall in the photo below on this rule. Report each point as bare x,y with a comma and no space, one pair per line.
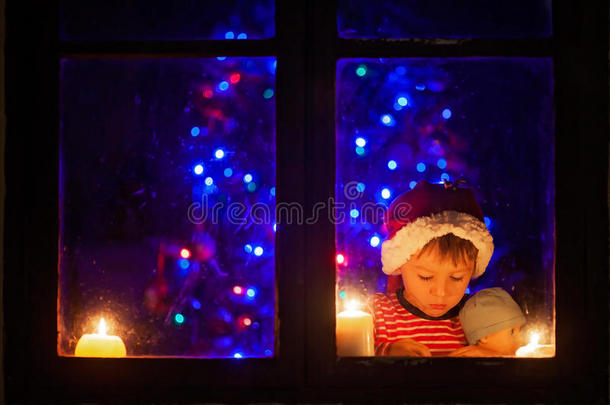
2,191
3,188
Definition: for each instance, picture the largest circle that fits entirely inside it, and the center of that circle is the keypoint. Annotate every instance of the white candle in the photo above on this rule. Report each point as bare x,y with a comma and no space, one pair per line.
100,344
355,334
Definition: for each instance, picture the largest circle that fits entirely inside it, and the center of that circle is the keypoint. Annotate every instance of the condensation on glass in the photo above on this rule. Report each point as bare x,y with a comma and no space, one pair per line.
177,20
444,19
161,163
486,120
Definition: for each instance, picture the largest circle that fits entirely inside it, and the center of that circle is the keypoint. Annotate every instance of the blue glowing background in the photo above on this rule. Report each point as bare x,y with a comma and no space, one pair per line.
487,120
444,19
154,153
176,20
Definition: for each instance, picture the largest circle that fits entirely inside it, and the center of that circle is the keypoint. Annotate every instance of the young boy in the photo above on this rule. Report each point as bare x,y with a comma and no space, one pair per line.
437,243
492,321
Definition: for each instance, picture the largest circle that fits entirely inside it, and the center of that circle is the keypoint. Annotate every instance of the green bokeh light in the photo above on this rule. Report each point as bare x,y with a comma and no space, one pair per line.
361,70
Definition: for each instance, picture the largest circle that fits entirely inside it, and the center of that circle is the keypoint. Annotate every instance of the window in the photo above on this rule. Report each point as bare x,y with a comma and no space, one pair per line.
308,48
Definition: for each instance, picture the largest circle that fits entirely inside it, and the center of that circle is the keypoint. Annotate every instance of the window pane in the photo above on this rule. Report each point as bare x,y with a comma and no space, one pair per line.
444,19
178,20
160,161
486,120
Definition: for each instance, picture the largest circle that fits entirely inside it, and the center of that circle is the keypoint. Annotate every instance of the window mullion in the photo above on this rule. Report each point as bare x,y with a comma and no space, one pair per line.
322,33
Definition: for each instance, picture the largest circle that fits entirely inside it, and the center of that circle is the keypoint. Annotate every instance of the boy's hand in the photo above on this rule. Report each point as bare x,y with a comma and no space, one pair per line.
408,348
474,351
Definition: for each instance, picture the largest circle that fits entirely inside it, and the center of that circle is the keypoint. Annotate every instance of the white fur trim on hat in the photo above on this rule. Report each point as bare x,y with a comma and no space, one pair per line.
415,235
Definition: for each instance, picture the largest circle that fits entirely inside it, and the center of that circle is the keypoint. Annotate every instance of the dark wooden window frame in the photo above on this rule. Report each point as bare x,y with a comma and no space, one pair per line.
306,368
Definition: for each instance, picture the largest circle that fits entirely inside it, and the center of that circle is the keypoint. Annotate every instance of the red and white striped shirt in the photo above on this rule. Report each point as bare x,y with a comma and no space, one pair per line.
394,322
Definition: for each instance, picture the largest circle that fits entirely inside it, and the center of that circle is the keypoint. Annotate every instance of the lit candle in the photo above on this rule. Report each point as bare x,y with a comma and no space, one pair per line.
100,344
533,349
355,332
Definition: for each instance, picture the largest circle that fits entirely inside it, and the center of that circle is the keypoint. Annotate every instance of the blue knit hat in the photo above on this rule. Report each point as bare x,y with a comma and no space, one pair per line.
489,311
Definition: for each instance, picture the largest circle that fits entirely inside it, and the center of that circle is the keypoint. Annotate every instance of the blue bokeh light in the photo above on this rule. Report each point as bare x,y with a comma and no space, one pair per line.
247,178
268,93
445,176
195,131
413,184
441,163
374,242
243,35
272,66
402,101
421,167
258,251
196,304
229,35
219,153
392,165
361,142
184,264
446,113
222,86
388,120
198,169
354,213
248,248
386,193
209,181
360,187
228,172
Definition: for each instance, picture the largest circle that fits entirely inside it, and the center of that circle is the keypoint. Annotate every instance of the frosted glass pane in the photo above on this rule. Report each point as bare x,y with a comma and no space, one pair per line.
177,20
444,19
160,161
488,121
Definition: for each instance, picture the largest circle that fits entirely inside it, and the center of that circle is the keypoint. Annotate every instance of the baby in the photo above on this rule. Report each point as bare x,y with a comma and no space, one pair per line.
492,321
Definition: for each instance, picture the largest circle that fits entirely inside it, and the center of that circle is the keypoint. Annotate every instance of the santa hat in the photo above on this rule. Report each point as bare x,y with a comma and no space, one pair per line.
428,211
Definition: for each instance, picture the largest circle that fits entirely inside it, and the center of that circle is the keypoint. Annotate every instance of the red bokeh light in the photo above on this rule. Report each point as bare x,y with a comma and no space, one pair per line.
234,78
340,258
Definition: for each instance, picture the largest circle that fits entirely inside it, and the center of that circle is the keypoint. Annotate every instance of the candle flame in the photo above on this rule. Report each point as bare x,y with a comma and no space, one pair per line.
530,348
101,327
352,305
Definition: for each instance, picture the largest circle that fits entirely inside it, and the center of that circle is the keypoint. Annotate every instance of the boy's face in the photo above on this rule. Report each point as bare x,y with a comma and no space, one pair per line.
506,341
434,286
